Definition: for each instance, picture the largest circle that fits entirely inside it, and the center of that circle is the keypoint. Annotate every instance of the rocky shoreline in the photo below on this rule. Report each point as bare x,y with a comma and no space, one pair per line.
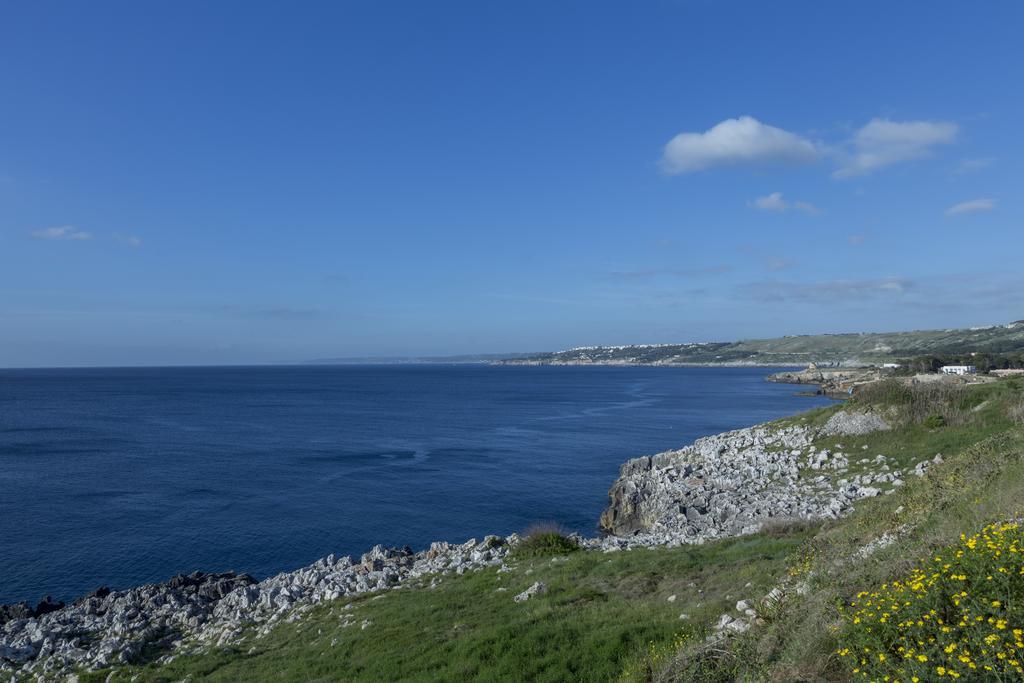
189,613
720,486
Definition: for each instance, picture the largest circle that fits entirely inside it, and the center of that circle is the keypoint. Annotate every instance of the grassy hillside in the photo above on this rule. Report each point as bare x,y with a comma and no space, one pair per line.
810,636
820,348
612,617
599,617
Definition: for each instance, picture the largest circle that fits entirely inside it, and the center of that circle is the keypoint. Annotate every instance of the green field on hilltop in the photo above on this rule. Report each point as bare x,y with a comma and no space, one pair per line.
608,617
854,348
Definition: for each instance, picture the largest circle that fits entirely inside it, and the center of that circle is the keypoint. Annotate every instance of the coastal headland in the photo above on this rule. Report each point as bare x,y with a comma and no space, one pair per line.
786,479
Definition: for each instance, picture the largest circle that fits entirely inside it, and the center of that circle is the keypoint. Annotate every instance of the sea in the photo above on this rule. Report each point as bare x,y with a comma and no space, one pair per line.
126,476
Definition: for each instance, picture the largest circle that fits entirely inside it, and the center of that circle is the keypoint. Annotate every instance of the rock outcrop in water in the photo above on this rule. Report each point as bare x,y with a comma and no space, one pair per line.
830,381
22,610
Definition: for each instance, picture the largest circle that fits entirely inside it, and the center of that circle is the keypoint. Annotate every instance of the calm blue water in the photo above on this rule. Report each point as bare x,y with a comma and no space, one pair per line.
125,476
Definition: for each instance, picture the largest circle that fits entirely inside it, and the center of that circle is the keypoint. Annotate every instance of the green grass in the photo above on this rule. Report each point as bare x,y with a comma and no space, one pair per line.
598,619
913,440
812,418
981,481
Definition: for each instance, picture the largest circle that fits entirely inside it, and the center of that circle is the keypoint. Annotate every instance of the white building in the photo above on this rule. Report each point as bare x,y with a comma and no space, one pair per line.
958,369
891,366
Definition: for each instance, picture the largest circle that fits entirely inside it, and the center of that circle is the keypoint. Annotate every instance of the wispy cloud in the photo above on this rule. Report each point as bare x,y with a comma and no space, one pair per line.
775,202
882,142
743,140
272,312
286,313
972,165
670,272
972,206
779,263
64,232
132,241
771,202
72,234
767,258
828,291
942,292
858,239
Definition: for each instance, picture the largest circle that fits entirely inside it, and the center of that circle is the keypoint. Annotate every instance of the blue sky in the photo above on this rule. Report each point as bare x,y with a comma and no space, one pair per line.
252,182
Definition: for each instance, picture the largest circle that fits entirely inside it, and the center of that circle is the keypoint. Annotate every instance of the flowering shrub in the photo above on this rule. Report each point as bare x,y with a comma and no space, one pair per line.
959,614
803,563
653,658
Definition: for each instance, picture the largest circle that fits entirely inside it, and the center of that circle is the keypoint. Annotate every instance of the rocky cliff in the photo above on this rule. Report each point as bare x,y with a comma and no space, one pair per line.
731,484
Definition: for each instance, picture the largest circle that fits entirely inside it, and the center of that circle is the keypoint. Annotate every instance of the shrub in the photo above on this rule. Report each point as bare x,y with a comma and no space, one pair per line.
546,539
648,662
934,421
918,403
782,527
958,614
709,663
1016,413
888,392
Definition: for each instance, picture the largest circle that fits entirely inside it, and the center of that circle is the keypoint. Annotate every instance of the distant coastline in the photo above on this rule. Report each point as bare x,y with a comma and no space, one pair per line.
842,350
463,359
765,363
848,350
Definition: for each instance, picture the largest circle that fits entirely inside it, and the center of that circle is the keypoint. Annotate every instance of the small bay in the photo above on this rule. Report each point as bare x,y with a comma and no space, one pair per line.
130,475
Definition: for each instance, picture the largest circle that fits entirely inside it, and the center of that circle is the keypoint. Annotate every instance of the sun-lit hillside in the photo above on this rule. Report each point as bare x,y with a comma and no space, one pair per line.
833,349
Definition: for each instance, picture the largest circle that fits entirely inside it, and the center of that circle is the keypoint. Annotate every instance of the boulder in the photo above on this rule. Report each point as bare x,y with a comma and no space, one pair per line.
848,423
20,610
536,589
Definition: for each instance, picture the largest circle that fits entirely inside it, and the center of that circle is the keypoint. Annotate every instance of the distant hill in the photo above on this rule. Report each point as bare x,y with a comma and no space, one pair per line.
823,349
406,360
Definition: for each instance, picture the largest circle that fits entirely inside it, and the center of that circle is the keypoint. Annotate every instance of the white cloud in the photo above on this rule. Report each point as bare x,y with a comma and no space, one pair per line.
882,142
971,206
972,165
65,232
736,141
775,202
772,202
